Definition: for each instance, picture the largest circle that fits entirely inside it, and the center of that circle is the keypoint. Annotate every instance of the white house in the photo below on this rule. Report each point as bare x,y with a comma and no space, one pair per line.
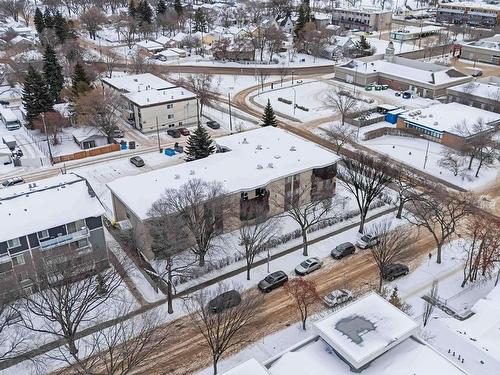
87,137
150,46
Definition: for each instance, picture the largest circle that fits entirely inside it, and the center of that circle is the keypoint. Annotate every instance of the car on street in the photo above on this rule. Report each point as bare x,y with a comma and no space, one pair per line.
137,161
309,265
174,133
366,241
13,181
224,301
393,270
117,133
213,124
343,250
272,281
184,131
337,297
477,73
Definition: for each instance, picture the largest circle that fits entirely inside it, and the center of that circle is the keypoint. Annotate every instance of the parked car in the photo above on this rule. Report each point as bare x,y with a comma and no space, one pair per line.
406,95
224,301
13,181
309,265
213,124
184,131
174,133
477,73
272,281
17,152
343,250
393,270
178,148
137,161
118,133
367,241
337,297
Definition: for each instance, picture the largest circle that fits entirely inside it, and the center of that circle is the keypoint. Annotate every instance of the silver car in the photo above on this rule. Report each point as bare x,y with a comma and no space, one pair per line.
337,297
367,241
309,265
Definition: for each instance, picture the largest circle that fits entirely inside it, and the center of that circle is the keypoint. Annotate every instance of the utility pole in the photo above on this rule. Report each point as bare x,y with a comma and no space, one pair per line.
51,158
230,116
426,154
198,111
158,135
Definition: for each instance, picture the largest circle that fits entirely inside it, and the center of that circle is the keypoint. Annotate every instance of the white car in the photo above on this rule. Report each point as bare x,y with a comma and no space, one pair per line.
309,265
367,241
337,297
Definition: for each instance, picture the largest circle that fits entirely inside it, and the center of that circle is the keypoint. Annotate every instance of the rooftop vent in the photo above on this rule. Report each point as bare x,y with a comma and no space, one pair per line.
436,123
177,176
270,165
135,79
277,156
245,142
259,147
259,166
293,148
191,172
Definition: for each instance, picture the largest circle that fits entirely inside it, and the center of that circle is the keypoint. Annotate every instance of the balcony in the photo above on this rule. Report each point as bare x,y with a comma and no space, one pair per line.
64,240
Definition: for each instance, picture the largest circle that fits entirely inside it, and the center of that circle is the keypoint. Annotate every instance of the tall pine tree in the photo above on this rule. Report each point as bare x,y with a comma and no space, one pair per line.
35,95
39,21
161,8
269,118
178,7
60,27
53,74
200,21
199,144
48,20
80,82
132,9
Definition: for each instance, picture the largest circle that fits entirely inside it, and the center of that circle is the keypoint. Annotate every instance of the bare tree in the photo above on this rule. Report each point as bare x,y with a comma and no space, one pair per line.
366,178
343,102
201,85
100,109
452,160
439,213
110,60
428,304
391,243
226,329
470,87
11,340
304,295
200,207
340,134
11,8
92,19
304,209
65,301
494,94
255,236
168,243
404,185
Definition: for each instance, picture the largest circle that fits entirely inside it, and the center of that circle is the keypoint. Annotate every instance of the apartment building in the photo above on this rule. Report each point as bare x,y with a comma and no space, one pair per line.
471,13
154,104
364,19
257,168
483,50
49,223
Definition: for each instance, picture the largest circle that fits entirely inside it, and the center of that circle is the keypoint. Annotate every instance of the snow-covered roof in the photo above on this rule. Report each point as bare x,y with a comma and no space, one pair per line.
250,367
445,117
179,37
83,133
492,44
479,89
138,82
52,202
365,329
153,97
257,157
418,30
149,45
162,39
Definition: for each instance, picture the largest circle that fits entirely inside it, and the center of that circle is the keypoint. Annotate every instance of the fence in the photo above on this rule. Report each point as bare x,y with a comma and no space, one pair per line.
87,153
400,132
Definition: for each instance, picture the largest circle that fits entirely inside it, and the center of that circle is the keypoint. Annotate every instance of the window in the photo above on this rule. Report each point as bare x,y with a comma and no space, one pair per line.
170,106
75,226
82,243
18,260
170,116
180,123
43,234
13,243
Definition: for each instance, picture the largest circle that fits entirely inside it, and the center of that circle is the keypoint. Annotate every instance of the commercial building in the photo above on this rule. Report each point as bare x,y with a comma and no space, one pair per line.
257,167
471,13
484,50
364,19
476,94
368,336
153,103
414,32
50,223
439,122
402,74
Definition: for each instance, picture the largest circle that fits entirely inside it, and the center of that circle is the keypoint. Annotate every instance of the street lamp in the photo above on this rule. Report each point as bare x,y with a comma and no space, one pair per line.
47,139
294,99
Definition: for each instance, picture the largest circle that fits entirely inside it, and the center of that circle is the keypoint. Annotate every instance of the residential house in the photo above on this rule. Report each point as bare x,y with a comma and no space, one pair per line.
49,223
150,46
87,137
286,24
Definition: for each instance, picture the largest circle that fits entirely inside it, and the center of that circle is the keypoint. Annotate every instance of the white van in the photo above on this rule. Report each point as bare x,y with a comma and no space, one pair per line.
9,119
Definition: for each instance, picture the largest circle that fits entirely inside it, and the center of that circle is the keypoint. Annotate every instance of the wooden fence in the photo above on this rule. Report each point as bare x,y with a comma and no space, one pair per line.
87,153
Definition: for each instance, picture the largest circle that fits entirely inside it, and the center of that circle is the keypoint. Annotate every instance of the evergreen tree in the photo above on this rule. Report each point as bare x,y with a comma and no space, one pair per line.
60,27
48,20
269,118
80,82
146,11
53,74
178,7
39,21
161,8
363,44
35,98
132,10
200,22
199,144
301,21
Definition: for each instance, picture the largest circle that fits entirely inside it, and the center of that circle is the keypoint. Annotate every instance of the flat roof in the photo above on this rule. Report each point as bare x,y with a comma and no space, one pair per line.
365,329
52,202
250,367
257,157
445,117
152,97
479,89
417,30
138,82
